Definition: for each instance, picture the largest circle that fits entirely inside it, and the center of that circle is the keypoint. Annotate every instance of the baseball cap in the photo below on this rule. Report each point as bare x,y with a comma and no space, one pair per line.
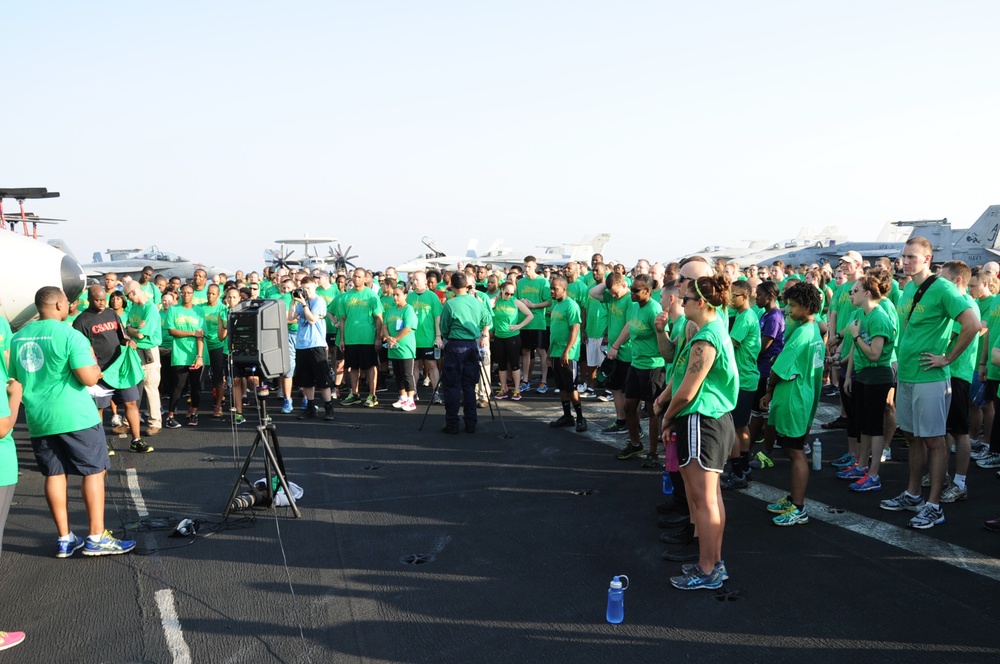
852,256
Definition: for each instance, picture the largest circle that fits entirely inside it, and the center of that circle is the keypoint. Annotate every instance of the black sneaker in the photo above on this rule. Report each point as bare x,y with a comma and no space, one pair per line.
629,451
581,423
735,481
673,520
651,460
616,429
683,538
685,554
328,410
193,420
310,412
564,421
140,447
171,423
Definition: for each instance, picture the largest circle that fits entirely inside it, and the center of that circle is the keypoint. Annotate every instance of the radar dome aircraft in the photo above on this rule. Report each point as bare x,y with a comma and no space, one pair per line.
30,264
310,257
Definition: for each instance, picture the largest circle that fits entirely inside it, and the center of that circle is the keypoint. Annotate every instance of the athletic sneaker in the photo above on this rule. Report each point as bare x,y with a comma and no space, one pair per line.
807,449
239,419
989,461
953,494
139,447
542,389
10,639
117,421
781,506
719,566
217,413
500,394
107,546
409,406
111,450
193,420
563,421
846,461
981,453
351,399
629,451
171,423
370,402
651,460
615,429
903,501
328,411
697,579
400,402
854,472
792,517
867,483
927,517
66,549
926,480
588,393
515,395
581,424
886,454
735,481
762,460
606,397
286,407
977,445
437,399
335,395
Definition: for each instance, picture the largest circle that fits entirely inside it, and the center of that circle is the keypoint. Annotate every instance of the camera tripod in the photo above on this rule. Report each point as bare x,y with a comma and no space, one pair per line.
484,377
274,465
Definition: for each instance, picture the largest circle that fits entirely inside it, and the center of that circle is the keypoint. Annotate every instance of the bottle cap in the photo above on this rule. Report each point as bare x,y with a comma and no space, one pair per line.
616,583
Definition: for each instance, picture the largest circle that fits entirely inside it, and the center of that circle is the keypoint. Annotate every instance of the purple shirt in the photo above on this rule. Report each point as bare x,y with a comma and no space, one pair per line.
772,324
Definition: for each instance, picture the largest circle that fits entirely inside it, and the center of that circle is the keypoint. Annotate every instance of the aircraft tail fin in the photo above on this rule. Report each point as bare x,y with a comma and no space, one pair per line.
470,251
62,246
982,234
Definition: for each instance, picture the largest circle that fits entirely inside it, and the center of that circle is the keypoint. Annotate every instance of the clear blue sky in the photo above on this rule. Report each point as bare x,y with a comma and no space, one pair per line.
213,128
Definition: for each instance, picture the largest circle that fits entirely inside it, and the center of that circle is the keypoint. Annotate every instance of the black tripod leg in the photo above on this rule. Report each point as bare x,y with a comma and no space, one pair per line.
273,456
430,403
242,476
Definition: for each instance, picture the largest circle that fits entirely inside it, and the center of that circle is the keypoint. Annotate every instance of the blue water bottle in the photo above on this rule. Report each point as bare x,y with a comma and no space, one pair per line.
668,484
616,599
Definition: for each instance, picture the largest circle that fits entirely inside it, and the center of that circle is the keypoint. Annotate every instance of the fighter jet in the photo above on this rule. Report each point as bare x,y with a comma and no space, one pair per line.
437,258
30,264
131,262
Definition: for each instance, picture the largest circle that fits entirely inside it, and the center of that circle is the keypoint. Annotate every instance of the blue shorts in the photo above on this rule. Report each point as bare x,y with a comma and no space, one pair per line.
83,452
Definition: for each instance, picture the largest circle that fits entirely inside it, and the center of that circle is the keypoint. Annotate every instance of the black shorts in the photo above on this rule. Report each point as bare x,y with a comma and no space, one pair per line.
991,390
532,340
426,354
958,412
507,353
360,356
868,407
744,404
853,415
83,452
119,397
312,369
705,439
790,443
331,341
616,381
644,384
755,409
561,376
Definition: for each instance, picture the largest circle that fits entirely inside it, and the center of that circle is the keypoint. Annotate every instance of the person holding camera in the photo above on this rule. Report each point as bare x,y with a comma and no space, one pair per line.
312,367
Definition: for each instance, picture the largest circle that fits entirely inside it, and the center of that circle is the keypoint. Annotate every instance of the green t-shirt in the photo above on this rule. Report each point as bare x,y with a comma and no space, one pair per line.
579,292
464,317
398,319
618,310
992,321
166,341
874,324
43,355
564,316
505,314
796,395
8,452
427,306
677,331
329,296
535,291
928,329
642,335
358,309
153,293
746,342
965,365
146,319
596,325
212,314
200,296
842,305
718,392
185,349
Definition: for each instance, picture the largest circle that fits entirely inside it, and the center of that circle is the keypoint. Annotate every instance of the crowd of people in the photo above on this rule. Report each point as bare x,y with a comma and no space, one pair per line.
720,359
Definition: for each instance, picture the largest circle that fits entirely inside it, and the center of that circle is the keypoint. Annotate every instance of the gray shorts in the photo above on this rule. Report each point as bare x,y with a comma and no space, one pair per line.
922,408
595,352
120,397
83,452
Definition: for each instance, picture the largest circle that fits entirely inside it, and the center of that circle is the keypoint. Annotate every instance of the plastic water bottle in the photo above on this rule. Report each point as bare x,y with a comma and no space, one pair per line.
616,599
817,454
668,484
437,352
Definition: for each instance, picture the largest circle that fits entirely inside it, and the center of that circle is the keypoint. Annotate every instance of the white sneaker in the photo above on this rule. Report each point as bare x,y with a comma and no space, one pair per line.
887,454
116,421
400,402
409,405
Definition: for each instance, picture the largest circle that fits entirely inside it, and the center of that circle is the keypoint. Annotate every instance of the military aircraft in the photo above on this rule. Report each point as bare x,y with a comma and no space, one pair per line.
131,261
974,245
311,257
437,258
30,264
553,255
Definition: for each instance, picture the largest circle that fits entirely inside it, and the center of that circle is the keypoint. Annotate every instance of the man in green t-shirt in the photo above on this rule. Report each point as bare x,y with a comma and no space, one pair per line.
925,351
143,326
200,282
595,328
564,345
745,335
55,365
427,306
533,290
465,323
359,312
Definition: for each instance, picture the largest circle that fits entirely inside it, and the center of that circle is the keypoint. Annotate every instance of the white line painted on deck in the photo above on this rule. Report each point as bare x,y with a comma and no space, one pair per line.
133,486
172,627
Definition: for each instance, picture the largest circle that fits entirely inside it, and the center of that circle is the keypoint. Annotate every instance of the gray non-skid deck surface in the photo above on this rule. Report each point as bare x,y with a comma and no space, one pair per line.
425,547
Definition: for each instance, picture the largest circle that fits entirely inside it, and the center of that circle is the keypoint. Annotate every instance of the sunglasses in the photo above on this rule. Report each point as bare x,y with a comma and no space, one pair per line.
688,298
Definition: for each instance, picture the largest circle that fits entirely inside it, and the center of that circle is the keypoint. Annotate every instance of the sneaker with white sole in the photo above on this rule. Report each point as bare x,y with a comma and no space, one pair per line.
927,517
107,546
953,494
68,548
903,501
989,461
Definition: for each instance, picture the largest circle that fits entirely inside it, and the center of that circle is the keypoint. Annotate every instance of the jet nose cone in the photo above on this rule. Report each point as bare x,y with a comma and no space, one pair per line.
73,279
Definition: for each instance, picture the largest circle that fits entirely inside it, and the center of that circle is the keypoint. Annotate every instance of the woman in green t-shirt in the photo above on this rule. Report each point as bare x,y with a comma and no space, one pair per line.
703,391
401,346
